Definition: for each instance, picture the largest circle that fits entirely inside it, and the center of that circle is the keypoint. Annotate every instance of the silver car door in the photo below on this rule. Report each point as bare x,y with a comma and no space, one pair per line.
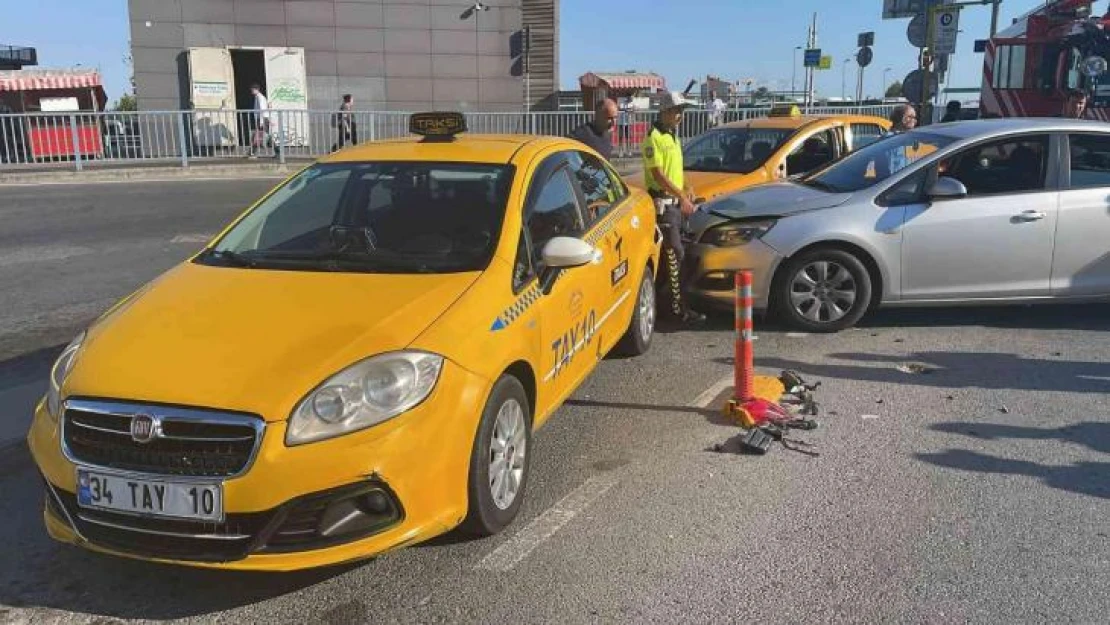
1081,264
997,241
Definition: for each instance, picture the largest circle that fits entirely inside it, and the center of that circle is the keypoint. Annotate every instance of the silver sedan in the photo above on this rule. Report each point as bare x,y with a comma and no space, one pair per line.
977,212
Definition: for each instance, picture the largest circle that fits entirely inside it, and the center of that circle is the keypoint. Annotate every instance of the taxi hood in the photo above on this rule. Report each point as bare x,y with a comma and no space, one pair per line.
253,340
711,185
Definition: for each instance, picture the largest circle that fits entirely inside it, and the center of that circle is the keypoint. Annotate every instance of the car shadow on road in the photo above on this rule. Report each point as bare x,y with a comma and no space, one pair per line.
36,571
982,370
1084,478
715,417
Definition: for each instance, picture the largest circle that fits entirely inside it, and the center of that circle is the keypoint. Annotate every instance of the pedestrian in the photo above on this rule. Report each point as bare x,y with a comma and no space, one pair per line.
903,118
344,122
716,107
1075,106
663,177
598,133
261,119
951,112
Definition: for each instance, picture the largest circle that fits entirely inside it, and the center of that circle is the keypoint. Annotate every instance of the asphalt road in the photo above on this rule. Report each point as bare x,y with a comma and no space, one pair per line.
978,491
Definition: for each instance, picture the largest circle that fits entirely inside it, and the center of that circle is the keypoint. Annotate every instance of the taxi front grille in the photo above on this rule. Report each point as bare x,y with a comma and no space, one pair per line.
186,442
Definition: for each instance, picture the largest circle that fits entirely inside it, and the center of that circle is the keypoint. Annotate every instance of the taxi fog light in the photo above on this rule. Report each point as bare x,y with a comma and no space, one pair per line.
58,373
737,233
364,394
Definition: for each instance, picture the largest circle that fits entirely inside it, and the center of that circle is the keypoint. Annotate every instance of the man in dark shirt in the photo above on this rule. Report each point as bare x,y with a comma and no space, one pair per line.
598,134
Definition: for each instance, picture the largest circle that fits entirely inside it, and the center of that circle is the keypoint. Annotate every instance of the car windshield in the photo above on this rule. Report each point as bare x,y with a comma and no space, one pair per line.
733,150
385,217
876,162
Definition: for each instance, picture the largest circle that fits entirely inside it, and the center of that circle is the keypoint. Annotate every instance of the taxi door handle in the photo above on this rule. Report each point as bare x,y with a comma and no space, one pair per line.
1030,215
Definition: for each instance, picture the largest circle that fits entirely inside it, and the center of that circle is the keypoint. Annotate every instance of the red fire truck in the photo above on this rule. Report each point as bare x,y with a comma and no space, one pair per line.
1030,67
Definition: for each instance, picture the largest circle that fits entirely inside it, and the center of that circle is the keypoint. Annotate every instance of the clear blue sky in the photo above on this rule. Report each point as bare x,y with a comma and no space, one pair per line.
735,39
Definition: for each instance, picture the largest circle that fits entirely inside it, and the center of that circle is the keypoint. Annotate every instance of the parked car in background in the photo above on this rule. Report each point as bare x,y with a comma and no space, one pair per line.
741,154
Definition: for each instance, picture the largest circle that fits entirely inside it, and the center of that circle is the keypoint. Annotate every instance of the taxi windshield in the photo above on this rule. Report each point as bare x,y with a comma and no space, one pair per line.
733,150
381,217
876,162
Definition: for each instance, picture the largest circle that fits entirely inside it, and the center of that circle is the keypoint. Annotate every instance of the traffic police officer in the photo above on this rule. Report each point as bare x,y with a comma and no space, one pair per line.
662,156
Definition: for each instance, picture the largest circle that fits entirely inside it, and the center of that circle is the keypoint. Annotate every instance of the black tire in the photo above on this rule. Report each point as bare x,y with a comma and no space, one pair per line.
824,318
634,342
484,516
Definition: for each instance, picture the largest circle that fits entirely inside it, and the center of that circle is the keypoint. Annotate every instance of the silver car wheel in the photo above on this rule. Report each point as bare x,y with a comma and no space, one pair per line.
823,291
508,446
647,309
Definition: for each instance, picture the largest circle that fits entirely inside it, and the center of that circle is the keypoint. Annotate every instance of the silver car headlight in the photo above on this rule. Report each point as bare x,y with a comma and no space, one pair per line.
58,374
737,233
363,395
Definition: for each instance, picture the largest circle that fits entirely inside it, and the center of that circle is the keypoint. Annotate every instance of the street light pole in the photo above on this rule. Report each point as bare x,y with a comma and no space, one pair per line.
794,72
844,78
885,72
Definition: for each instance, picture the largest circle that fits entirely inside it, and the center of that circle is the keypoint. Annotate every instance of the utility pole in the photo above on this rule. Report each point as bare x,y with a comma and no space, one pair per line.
994,17
809,70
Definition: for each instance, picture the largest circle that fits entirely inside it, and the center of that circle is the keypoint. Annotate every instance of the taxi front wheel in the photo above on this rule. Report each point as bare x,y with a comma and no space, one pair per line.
637,339
500,460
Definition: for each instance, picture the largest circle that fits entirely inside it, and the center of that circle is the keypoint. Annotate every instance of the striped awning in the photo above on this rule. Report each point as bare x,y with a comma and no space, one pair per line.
628,80
39,80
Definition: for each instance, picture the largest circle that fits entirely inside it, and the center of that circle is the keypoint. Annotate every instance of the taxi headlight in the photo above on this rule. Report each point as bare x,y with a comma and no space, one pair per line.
737,233
58,373
364,394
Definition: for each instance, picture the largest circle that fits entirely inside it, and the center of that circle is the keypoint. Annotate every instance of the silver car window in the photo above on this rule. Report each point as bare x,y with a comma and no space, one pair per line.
875,163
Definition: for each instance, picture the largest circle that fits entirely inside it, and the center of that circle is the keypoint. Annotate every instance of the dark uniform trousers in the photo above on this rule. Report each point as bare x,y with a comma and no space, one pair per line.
670,218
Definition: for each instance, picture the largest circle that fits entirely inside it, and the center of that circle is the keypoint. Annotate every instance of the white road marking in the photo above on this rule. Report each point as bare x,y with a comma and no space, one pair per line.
711,393
797,335
191,238
543,527
39,254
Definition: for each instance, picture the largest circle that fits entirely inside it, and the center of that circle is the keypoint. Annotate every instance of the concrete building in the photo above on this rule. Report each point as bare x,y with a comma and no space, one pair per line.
400,55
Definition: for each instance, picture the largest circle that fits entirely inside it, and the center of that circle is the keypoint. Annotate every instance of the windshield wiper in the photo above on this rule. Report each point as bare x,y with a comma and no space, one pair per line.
233,258
818,184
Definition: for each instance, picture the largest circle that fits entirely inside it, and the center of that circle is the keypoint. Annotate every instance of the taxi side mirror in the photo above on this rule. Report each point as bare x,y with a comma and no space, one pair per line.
562,253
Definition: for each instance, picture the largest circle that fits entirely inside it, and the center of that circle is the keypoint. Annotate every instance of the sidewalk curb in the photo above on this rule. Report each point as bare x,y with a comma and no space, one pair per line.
229,171
140,174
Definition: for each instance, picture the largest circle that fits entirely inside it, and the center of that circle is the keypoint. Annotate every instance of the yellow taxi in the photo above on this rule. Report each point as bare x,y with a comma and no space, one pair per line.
357,363
741,154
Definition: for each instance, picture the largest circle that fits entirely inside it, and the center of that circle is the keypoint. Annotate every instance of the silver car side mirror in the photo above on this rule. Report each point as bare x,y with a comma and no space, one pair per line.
946,188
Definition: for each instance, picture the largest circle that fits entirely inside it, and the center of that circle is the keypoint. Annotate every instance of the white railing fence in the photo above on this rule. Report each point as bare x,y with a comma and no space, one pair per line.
79,139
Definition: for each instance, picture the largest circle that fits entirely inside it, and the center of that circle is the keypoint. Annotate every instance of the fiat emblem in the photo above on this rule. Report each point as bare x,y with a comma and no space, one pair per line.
144,428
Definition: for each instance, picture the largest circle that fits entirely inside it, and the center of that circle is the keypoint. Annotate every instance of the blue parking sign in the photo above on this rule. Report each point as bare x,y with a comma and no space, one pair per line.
813,57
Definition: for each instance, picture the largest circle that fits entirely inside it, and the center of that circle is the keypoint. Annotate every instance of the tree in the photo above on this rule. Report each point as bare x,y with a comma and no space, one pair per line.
762,93
894,90
126,102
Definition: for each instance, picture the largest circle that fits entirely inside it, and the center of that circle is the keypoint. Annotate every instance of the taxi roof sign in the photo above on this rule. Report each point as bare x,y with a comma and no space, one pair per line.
437,124
785,110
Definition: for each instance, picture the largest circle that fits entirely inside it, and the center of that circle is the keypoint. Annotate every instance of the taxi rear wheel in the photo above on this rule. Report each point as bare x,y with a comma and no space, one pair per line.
641,329
500,460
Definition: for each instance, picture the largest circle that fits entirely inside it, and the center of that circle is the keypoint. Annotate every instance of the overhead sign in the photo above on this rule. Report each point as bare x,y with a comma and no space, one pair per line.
899,9
980,45
918,30
813,57
826,62
913,84
864,57
865,40
946,24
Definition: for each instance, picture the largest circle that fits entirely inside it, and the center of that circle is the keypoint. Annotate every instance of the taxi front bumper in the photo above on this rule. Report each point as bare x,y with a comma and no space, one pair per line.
713,272
402,481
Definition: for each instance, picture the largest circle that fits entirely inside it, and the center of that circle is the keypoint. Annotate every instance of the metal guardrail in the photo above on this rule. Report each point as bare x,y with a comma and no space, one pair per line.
199,135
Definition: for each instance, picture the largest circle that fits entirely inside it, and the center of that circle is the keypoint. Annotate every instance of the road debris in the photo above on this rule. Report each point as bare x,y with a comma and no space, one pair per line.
1004,409
869,416
914,368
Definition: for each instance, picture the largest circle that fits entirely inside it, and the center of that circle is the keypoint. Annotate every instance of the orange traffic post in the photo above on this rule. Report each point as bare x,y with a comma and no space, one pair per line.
749,408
